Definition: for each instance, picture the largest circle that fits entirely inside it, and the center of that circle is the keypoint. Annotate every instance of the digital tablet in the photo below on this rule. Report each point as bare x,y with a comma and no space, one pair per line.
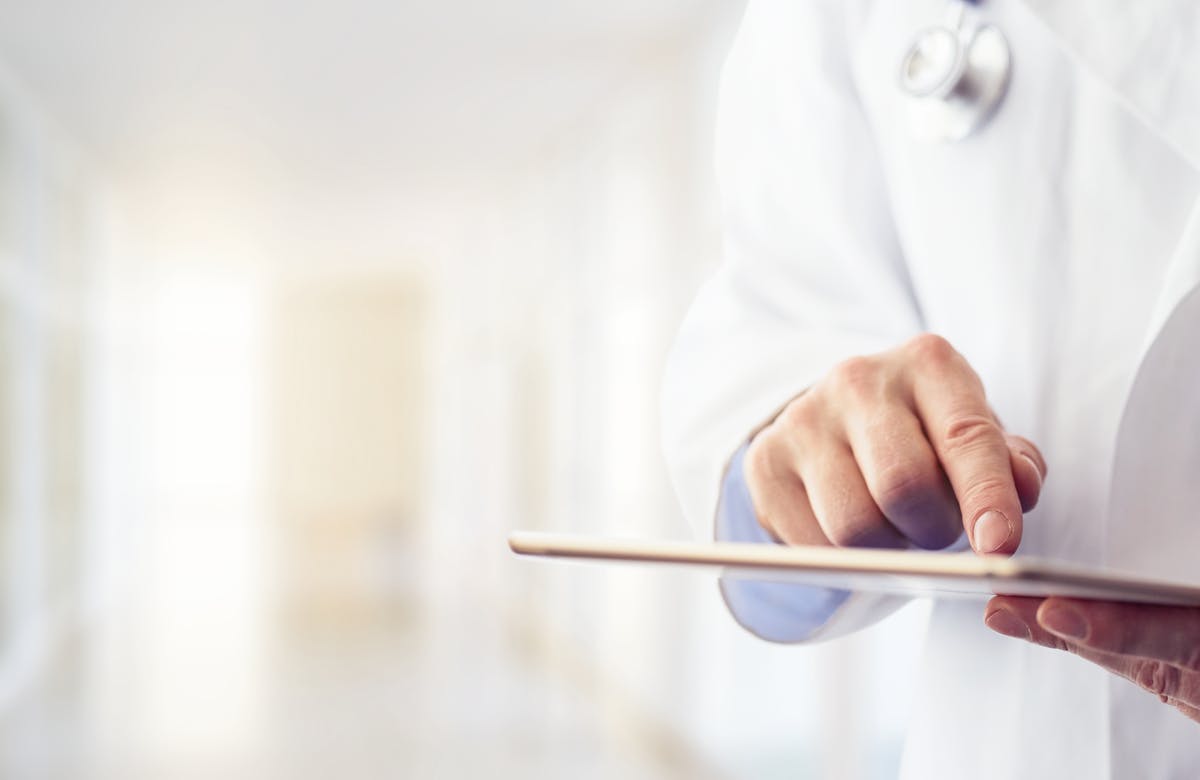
916,573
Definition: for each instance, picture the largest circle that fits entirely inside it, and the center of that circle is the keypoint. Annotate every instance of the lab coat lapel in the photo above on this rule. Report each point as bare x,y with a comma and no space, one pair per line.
1183,275
1145,50
1154,491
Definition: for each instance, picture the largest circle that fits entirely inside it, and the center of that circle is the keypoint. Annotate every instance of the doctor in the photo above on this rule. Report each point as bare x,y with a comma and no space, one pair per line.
1054,247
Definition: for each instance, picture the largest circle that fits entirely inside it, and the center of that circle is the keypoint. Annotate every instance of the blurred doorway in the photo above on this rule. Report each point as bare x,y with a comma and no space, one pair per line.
346,443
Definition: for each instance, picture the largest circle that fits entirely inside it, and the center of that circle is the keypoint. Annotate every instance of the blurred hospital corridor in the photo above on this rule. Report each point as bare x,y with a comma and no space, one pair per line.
304,308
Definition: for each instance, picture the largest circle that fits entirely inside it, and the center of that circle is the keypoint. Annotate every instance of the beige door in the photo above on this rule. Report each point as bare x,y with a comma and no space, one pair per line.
345,401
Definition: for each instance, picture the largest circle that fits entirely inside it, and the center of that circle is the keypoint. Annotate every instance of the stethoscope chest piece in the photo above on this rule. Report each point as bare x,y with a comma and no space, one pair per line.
954,78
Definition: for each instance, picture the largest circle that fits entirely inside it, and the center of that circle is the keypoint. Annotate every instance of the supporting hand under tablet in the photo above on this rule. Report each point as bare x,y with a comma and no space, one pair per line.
891,450
1157,648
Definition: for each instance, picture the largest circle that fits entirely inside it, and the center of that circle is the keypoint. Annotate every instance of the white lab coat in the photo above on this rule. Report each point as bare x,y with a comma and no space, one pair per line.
1056,249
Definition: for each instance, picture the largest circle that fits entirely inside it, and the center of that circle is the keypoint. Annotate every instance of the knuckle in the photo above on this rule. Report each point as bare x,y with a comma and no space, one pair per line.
913,498
803,413
768,521
1024,446
1158,677
849,534
903,486
938,537
1027,449
969,431
856,378
860,527
931,349
1056,643
986,491
759,462
761,471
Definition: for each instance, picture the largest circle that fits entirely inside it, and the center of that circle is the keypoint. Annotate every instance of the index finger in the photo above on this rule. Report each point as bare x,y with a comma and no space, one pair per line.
1170,634
970,444
1167,677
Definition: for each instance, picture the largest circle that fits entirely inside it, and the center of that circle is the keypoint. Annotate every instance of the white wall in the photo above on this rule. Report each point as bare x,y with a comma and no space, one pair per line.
54,240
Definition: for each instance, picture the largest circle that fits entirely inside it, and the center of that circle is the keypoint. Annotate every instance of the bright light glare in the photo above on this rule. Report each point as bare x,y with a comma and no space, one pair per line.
205,539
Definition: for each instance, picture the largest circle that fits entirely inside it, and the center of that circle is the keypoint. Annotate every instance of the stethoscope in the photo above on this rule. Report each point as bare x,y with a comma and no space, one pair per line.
955,75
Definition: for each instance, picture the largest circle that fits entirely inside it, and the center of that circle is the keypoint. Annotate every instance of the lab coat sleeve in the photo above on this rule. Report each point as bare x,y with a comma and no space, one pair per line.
812,270
775,611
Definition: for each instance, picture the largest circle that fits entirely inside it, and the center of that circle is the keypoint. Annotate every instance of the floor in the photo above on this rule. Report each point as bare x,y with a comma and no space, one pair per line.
382,688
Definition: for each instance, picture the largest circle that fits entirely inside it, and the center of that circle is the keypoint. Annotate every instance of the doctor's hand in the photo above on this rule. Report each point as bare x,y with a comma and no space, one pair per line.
891,450
1157,648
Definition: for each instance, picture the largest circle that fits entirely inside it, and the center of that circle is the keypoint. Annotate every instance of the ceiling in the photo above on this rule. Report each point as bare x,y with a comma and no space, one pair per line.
355,94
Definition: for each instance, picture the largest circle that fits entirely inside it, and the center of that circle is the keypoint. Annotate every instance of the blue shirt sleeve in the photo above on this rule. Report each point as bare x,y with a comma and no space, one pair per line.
775,611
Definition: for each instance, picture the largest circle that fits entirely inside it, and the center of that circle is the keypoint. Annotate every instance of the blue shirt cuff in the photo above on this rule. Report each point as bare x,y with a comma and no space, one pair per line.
776,611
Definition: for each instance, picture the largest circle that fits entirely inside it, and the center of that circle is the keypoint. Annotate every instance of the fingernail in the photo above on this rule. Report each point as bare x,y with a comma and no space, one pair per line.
992,530
1036,468
1004,622
1064,621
